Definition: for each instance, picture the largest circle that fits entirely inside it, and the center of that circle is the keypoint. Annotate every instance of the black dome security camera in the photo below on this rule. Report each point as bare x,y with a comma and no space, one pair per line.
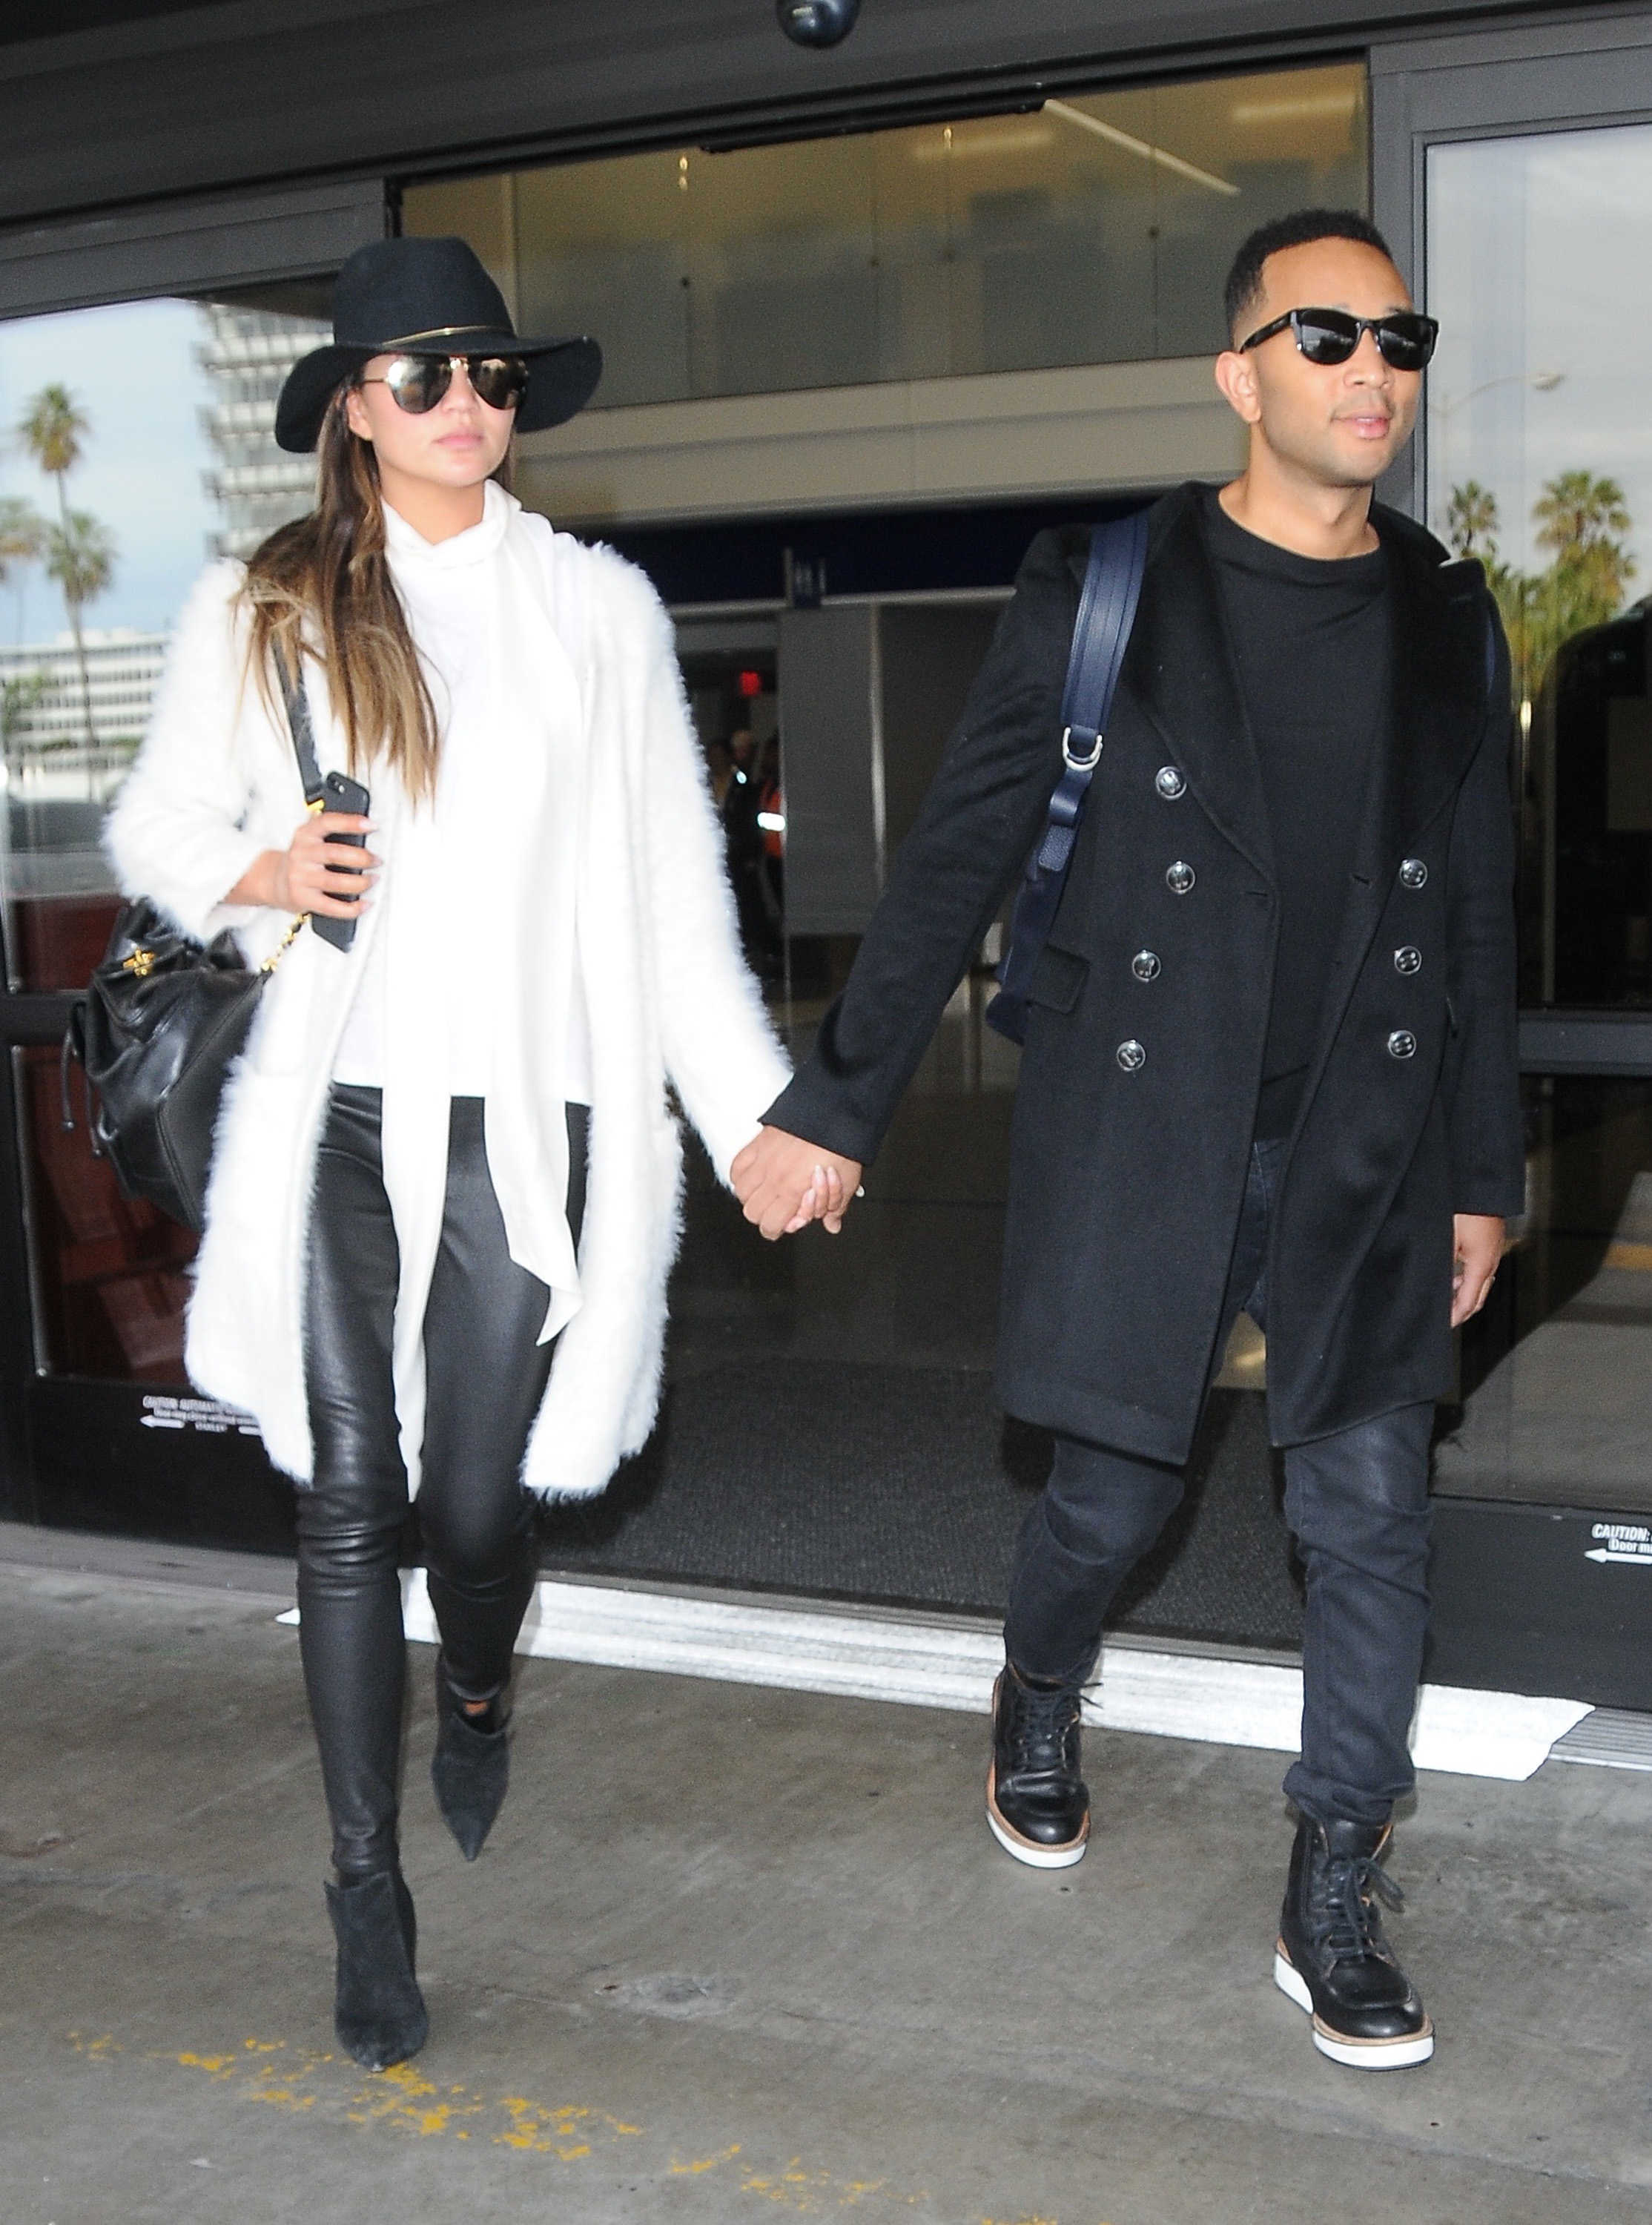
817,23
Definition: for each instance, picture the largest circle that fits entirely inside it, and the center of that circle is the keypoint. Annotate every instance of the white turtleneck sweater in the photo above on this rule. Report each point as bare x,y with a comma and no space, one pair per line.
450,591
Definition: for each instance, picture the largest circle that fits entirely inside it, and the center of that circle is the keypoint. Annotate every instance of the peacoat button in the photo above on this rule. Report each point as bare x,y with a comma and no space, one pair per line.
1401,1044
1407,959
1131,1056
1170,783
1414,874
1145,966
1179,878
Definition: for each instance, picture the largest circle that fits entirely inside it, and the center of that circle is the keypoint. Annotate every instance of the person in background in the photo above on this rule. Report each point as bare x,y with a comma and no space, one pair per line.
1270,1064
771,823
444,1198
719,768
759,934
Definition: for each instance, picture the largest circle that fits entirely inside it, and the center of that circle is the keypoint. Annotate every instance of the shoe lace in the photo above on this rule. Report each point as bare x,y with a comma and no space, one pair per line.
1041,1726
1353,1927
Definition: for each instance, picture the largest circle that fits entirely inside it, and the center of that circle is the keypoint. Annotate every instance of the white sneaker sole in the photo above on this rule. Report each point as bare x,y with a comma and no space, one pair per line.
1355,2054
1029,1850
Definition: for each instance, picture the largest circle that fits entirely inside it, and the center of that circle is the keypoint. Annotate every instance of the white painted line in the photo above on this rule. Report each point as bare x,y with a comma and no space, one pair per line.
941,1665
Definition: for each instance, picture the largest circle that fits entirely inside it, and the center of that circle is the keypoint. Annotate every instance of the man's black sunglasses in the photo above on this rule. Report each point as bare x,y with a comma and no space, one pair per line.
1406,339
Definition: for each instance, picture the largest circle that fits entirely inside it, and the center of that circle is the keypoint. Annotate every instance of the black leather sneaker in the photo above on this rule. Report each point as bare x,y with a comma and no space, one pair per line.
1331,1958
1037,1804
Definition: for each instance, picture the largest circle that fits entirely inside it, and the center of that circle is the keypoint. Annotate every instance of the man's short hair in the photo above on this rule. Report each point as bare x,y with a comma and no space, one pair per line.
1244,289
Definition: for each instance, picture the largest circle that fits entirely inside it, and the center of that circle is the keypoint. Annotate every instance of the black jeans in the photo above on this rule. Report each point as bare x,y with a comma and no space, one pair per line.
1358,1505
485,1376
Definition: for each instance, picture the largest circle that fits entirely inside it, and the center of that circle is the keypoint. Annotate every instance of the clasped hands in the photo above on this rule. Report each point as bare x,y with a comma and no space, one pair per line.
783,1183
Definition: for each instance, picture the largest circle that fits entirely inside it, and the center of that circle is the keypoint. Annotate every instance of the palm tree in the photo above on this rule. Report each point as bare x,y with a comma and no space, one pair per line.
22,530
80,556
22,535
53,430
1582,520
1471,521
18,698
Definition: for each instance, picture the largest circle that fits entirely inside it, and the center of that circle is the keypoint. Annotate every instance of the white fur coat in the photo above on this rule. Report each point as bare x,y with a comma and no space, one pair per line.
669,1000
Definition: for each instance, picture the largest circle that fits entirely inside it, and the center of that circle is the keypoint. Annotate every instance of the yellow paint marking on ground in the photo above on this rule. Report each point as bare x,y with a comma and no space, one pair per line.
267,2071
706,2163
1637,1258
813,2192
405,2100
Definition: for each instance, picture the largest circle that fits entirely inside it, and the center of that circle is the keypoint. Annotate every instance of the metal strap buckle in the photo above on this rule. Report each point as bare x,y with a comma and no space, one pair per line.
1079,764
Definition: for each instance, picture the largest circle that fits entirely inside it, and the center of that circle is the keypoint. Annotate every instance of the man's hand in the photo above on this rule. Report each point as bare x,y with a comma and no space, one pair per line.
783,1183
1478,1242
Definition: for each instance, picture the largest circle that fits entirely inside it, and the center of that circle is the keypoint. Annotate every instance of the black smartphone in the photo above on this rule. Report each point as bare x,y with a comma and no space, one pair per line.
340,793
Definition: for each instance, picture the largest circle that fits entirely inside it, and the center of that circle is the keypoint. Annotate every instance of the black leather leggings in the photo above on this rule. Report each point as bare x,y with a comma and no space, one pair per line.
485,1376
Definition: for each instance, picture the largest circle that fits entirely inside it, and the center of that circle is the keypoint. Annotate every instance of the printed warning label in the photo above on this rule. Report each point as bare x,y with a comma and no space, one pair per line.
1626,1543
164,1411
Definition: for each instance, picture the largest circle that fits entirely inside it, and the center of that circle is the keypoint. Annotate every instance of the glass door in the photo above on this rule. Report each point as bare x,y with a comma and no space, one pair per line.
137,444
1538,462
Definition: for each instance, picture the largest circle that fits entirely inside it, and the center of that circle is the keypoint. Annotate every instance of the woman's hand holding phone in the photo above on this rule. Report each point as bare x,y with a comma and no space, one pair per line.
322,871
328,869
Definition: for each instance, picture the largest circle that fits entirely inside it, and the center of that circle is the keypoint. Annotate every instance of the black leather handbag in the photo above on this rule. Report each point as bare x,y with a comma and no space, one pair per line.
163,1021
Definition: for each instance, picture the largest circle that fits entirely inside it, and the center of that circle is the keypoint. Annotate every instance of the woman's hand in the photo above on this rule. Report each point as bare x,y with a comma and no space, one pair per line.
783,1183
314,874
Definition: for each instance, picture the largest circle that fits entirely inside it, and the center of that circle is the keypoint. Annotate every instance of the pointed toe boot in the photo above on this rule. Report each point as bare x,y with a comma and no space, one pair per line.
471,1767
379,2011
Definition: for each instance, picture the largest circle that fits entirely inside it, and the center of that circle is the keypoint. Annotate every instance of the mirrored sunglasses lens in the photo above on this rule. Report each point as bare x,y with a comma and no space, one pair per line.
1325,336
499,380
1407,342
418,382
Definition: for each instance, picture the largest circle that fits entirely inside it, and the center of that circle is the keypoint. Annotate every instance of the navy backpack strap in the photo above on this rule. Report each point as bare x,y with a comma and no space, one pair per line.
1113,586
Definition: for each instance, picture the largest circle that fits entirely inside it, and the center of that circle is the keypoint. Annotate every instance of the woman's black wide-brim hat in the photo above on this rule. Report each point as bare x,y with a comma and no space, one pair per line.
428,297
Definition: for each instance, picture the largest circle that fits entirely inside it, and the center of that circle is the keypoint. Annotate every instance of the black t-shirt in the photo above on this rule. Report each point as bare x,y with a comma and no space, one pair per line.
1311,640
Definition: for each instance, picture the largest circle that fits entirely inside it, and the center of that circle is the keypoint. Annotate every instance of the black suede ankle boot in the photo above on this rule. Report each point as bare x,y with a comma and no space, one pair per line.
1037,1804
1332,1959
471,1767
379,2011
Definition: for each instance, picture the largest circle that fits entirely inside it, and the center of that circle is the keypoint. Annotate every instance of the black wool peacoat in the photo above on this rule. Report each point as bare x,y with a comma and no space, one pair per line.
1139,1081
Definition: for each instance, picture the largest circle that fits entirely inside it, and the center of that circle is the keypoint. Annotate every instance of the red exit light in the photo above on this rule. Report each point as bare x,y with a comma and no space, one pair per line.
751,683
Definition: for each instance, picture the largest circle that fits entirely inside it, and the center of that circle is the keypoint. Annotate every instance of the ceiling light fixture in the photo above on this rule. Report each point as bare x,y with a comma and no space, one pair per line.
1148,153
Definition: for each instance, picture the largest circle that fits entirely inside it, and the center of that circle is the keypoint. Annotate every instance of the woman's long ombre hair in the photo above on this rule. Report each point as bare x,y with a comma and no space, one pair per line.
327,575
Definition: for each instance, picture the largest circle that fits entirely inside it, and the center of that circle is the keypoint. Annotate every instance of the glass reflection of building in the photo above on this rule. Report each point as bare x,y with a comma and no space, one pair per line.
256,486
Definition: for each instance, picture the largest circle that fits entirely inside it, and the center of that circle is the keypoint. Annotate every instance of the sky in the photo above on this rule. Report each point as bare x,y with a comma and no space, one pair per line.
132,369
1540,270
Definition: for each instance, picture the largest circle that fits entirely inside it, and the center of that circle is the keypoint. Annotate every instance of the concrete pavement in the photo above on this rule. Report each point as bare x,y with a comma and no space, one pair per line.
736,1954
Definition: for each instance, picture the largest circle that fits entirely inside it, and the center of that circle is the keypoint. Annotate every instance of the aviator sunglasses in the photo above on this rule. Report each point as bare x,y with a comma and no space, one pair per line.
1405,340
419,382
